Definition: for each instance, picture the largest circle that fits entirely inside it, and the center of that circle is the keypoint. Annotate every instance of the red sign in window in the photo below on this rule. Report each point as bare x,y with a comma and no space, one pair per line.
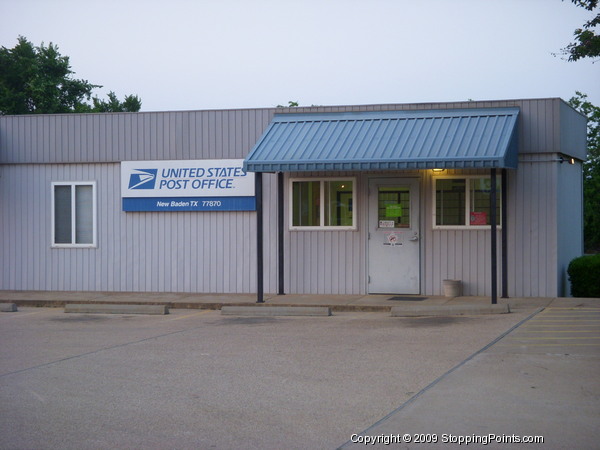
478,218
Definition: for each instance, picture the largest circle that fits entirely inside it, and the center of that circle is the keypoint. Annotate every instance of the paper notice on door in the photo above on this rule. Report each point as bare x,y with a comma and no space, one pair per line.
387,224
394,210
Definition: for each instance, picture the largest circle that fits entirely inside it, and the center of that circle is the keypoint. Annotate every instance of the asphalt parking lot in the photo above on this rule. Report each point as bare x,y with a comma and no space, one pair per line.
537,386
197,379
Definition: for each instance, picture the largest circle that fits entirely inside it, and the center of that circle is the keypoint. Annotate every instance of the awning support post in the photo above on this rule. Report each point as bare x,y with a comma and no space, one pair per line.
259,237
494,238
504,234
280,215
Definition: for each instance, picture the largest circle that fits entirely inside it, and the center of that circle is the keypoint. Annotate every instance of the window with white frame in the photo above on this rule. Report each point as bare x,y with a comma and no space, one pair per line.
465,201
74,214
322,203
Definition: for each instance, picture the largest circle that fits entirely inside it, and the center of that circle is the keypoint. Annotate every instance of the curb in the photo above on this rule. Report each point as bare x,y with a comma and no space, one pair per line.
197,305
396,311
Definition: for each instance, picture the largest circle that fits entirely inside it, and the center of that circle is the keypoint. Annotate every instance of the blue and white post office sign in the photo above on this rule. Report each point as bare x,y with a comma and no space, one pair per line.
193,185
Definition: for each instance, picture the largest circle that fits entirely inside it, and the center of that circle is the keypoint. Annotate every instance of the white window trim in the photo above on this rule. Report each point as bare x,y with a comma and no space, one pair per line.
94,242
322,205
467,225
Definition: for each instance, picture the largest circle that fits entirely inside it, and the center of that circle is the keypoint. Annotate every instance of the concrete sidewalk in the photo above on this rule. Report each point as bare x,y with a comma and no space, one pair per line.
356,303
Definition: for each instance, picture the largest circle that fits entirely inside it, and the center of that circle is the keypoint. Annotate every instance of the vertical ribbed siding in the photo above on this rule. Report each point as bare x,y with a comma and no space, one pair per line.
532,227
215,134
75,138
326,262
160,252
175,251
570,221
215,252
532,241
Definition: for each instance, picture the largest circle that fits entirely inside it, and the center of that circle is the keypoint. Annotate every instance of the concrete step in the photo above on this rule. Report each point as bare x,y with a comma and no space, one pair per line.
103,308
8,307
276,310
448,310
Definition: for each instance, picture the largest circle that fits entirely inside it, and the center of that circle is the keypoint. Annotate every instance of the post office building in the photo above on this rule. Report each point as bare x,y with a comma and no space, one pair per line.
369,199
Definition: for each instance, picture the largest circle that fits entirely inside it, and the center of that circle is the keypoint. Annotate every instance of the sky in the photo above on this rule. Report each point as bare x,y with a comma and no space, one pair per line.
225,54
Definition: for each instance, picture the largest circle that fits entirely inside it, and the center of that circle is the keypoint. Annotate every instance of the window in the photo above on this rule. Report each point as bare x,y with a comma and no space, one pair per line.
326,203
73,214
465,202
393,206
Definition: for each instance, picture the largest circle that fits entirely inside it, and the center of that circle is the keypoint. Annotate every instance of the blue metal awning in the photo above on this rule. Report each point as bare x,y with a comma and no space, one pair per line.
388,140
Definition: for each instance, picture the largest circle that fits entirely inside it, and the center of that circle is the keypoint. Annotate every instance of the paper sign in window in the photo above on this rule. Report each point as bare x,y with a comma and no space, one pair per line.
394,210
478,218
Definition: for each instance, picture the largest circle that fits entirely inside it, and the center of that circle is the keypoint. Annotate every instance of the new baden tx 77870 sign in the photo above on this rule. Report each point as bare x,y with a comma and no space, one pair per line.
193,185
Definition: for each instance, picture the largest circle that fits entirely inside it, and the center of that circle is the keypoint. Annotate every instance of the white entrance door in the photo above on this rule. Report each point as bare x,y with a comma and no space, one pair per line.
393,244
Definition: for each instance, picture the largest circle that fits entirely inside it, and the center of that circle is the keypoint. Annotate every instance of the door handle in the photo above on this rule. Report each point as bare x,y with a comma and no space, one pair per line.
414,238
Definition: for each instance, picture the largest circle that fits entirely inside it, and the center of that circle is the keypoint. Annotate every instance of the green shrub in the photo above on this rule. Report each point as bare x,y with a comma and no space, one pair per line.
584,274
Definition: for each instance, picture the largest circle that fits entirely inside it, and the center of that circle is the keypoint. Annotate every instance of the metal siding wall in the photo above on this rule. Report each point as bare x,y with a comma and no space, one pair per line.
570,221
532,255
161,252
269,236
532,228
454,254
215,252
25,224
461,254
573,132
539,124
326,262
186,252
73,138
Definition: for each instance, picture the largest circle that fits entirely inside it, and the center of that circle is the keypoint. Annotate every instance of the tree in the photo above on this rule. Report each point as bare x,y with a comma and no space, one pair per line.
591,172
587,45
587,42
38,80
291,104
294,104
131,103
